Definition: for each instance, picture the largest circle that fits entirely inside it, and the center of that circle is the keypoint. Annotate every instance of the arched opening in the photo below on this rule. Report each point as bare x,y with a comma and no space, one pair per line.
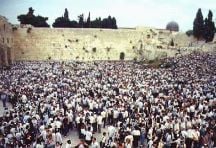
122,56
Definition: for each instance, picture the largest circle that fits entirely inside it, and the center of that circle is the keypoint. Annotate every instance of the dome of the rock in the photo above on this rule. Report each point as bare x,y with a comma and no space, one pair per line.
172,26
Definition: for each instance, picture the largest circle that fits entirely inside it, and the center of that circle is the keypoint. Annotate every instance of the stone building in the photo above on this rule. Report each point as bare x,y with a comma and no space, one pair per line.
6,42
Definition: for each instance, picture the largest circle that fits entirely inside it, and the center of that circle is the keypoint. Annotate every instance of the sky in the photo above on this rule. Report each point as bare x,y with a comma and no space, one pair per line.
129,13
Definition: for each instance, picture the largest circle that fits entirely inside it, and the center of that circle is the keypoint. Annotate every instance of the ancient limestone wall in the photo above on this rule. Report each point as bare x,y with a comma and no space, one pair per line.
6,42
88,44
75,44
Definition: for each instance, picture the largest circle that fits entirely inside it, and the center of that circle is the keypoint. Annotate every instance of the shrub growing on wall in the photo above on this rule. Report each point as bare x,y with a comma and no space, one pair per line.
122,56
14,28
108,49
29,30
94,49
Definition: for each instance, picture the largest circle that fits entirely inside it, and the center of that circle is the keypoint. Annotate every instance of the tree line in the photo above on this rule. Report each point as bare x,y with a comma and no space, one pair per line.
203,29
65,22
30,18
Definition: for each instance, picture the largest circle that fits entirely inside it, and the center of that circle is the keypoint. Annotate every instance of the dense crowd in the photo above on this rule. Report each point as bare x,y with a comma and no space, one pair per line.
126,103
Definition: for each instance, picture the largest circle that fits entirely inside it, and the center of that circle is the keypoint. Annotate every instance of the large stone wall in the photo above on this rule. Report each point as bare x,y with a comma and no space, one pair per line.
6,42
89,44
18,43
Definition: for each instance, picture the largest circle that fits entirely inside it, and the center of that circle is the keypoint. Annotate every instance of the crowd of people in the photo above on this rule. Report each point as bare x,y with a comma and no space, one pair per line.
127,104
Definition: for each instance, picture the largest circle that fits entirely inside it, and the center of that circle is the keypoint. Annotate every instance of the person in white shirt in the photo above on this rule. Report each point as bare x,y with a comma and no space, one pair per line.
192,111
99,122
94,143
115,116
58,124
111,132
196,137
39,145
104,115
150,133
150,143
103,140
44,134
136,136
176,126
168,139
59,137
88,136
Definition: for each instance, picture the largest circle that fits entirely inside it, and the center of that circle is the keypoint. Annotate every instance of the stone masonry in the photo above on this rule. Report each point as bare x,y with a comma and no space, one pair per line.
20,43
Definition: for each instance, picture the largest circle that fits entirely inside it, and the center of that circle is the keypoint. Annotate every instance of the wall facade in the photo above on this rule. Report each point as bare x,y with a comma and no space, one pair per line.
6,42
88,44
18,43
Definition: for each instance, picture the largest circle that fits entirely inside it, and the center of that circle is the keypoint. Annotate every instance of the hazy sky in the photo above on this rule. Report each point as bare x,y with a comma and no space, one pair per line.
129,13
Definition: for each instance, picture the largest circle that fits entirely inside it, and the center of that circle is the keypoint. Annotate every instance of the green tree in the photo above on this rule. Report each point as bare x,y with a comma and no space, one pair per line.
74,24
97,23
209,28
189,32
114,25
62,22
105,23
66,15
81,20
31,12
172,43
88,23
40,21
109,22
30,18
198,25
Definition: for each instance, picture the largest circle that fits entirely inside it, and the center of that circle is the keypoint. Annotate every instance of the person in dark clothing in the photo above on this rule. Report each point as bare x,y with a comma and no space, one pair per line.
65,126
4,99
